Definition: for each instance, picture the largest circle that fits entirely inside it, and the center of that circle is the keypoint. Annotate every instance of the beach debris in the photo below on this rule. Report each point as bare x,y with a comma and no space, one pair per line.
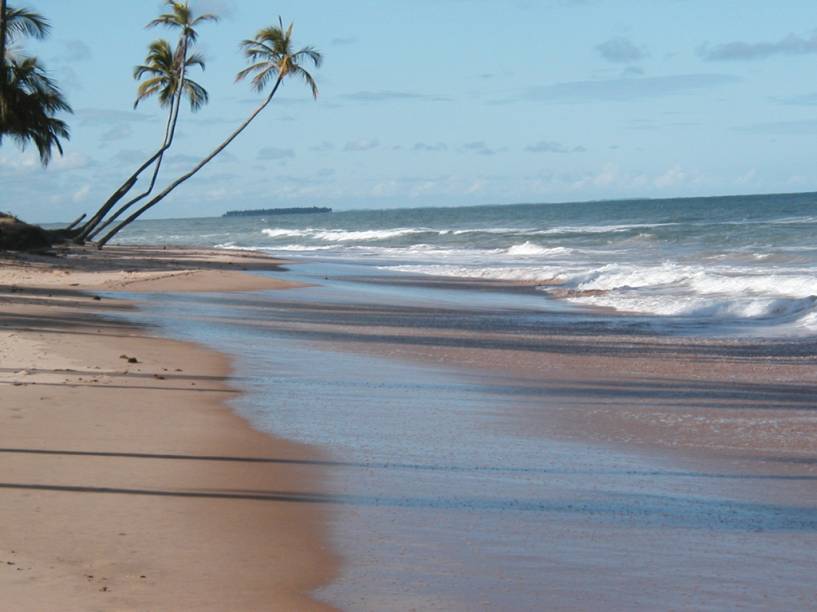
129,359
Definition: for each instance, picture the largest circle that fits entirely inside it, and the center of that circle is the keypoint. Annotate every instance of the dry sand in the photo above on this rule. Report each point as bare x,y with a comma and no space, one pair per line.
130,485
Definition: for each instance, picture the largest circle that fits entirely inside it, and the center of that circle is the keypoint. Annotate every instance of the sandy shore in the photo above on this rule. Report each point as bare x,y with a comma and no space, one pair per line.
491,457
127,483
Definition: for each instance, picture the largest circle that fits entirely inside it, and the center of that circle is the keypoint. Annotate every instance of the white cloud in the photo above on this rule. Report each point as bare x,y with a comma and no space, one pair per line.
81,194
361,145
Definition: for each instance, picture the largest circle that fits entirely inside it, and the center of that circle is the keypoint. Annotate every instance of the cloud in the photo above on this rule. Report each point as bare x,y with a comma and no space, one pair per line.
621,89
361,145
550,146
806,126
480,148
798,100
672,177
270,153
791,44
130,156
342,41
620,50
424,147
70,161
180,161
632,71
323,147
611,177
116,133
390,96
75,51
224,9
81,194
106,116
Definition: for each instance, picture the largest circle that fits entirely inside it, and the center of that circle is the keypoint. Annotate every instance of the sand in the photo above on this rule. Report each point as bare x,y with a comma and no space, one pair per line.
127,482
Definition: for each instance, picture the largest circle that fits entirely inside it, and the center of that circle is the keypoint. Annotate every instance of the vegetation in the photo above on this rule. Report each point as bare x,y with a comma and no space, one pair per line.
272,57
30,100
167,72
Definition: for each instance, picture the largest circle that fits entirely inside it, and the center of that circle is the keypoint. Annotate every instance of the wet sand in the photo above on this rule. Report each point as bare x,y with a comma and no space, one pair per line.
127,482
492,457
478,452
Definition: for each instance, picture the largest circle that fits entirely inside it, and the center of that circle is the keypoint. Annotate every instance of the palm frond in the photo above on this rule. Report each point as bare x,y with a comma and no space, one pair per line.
308,79
196,95
195,59
313,54
30,102
26,22
272,55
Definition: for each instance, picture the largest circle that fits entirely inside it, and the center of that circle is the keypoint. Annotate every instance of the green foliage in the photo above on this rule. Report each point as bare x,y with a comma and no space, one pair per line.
163,77
29,99
272,53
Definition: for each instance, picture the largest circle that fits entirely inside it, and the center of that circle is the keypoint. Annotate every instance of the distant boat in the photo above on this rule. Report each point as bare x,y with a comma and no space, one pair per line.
311,210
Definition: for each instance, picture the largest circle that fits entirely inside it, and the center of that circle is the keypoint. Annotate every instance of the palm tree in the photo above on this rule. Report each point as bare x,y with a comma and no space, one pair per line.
29,99
164,81
272,56
180,17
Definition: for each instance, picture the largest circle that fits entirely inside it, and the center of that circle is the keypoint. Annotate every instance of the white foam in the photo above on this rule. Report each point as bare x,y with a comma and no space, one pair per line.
598,229
528,249
288,233
532,274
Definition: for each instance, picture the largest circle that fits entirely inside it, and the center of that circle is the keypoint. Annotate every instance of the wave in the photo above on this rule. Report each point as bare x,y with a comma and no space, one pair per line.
697,280
528,274
597,229
528,249
348,235
284,233
801,312
340,235
668,289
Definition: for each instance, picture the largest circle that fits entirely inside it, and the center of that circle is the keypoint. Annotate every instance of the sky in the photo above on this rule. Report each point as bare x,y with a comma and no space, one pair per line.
441,103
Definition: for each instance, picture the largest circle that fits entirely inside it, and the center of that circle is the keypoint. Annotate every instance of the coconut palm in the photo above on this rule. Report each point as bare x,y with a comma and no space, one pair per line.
180,17
29,99
272,57
163,81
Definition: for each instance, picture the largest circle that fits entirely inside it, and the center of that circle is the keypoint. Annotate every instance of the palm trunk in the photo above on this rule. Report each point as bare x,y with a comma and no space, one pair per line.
75,223
198,167
170,130
3,74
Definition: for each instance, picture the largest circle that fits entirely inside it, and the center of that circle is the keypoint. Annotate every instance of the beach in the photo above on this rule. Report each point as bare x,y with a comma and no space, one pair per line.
127,482
400,441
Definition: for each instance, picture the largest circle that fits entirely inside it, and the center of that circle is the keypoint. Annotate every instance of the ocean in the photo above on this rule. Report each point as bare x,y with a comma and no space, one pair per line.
502,444
744,265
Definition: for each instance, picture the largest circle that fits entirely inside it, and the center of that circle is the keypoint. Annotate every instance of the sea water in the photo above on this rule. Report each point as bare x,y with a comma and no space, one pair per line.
440,502
741,264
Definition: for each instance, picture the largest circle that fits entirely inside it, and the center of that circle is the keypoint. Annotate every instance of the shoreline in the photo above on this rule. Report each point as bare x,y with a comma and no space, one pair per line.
555,399
111,499
546,474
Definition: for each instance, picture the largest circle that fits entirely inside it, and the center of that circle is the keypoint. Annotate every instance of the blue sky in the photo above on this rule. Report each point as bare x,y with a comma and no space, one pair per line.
444,102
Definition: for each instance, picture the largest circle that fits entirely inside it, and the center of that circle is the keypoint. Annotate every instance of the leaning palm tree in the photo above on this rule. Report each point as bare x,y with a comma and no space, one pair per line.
180,17
163,80
273,58
29,99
